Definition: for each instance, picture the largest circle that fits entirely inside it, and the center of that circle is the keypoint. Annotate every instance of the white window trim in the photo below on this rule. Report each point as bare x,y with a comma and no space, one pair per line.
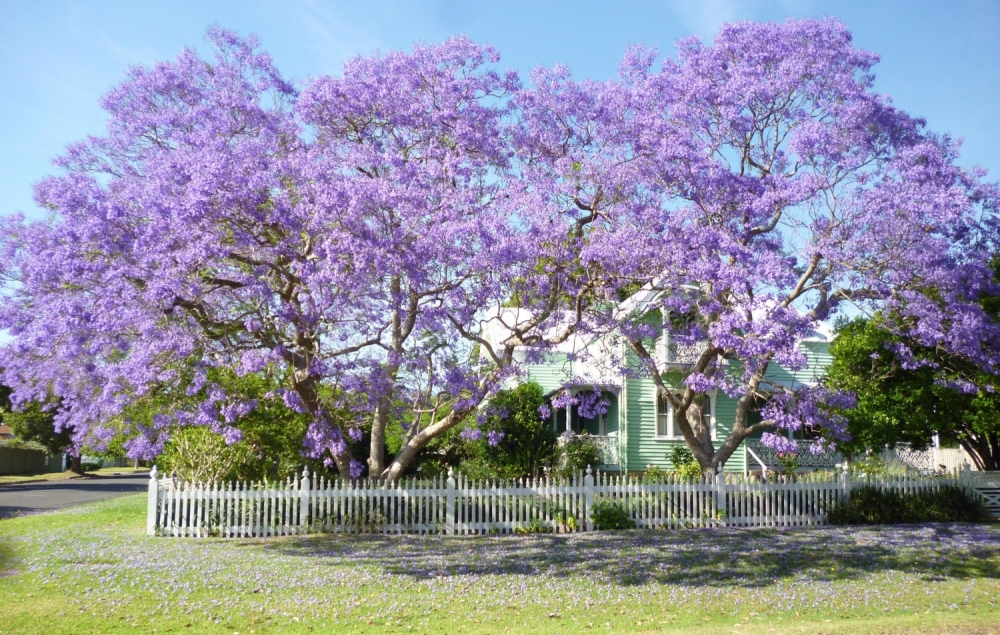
672,433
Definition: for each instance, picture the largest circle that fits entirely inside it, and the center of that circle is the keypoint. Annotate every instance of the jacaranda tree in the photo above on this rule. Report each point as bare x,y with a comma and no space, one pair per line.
343,240
748,191
353,240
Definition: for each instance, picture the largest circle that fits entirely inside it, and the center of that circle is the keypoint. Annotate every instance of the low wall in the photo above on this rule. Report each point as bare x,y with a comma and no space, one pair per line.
19,461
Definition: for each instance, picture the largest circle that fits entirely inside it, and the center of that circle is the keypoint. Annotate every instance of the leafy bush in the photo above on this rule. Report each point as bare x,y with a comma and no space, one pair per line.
655,474
607,515
789,462
526,441
684,463
90,466
875,465
536,526
198,454
272,433
578,453
872,506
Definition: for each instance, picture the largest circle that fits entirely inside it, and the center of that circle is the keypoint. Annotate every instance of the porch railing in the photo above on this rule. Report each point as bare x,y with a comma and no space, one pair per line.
607,444
684,353
765,459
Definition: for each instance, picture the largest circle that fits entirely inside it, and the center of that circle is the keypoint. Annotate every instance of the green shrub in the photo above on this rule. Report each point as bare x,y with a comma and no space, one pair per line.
875,465
198,454
536,526
607,515
577,454
872,506
655,474
90,466
789,462
684,463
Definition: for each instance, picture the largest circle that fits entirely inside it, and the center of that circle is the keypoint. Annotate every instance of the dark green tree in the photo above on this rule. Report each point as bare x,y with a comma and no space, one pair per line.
527,443
35,423
947,396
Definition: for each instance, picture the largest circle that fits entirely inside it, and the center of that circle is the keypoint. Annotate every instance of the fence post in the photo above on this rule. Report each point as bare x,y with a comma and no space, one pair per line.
720,498
966,479
152,498
304,494
450,501
845,483
588,499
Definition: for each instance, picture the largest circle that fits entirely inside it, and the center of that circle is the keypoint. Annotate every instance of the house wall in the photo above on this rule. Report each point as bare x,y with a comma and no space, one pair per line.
642,446
634,417
817,359
551,374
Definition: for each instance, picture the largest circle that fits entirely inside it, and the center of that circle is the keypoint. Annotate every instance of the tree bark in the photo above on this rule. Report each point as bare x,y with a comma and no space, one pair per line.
380,420
308,393
984,450
416,443
75,465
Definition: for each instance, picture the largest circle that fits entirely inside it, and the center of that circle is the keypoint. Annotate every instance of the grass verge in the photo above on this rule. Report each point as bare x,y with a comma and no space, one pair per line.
67,475
91,570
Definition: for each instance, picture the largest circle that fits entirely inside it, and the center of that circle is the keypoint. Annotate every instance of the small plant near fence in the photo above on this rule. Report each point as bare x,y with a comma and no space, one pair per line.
608,515
684,463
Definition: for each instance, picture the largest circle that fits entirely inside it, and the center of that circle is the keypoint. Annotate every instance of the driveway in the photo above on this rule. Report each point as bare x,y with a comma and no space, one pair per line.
31,498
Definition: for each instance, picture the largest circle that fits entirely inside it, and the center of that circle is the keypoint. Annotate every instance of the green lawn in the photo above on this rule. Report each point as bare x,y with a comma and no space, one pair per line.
91,570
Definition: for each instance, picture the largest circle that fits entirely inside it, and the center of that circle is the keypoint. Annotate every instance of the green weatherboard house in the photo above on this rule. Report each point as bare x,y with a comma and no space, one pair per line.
638,429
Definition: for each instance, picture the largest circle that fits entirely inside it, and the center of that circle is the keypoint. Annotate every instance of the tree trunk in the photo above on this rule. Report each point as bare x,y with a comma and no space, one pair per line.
376,456
699,440
75,465
414,444
984,450
993,441
307,392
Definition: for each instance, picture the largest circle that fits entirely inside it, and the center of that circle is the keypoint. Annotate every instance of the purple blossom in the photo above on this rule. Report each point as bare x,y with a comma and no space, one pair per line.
779,443
357,468
493,437
233,411
471,434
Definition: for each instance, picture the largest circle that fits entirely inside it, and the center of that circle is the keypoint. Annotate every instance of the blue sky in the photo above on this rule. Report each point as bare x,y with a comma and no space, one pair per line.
940,60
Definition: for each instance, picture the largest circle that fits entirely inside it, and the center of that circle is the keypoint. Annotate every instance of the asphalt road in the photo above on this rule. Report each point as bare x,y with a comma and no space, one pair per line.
31,498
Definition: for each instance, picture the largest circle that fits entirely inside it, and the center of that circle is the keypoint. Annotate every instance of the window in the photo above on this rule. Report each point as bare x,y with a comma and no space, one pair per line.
664,418
665,428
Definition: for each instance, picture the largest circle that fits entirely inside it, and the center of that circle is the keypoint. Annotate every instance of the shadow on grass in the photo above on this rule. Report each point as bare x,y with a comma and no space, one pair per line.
748,558
7,558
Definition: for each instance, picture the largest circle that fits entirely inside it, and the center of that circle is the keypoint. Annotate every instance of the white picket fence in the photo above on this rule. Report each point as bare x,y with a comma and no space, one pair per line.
456,505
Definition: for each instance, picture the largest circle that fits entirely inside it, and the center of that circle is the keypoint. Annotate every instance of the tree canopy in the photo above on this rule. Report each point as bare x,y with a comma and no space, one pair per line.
757,185
899,403
354,239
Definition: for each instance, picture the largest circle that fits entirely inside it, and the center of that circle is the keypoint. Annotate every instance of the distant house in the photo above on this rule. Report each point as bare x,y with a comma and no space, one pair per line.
6,432
638,429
